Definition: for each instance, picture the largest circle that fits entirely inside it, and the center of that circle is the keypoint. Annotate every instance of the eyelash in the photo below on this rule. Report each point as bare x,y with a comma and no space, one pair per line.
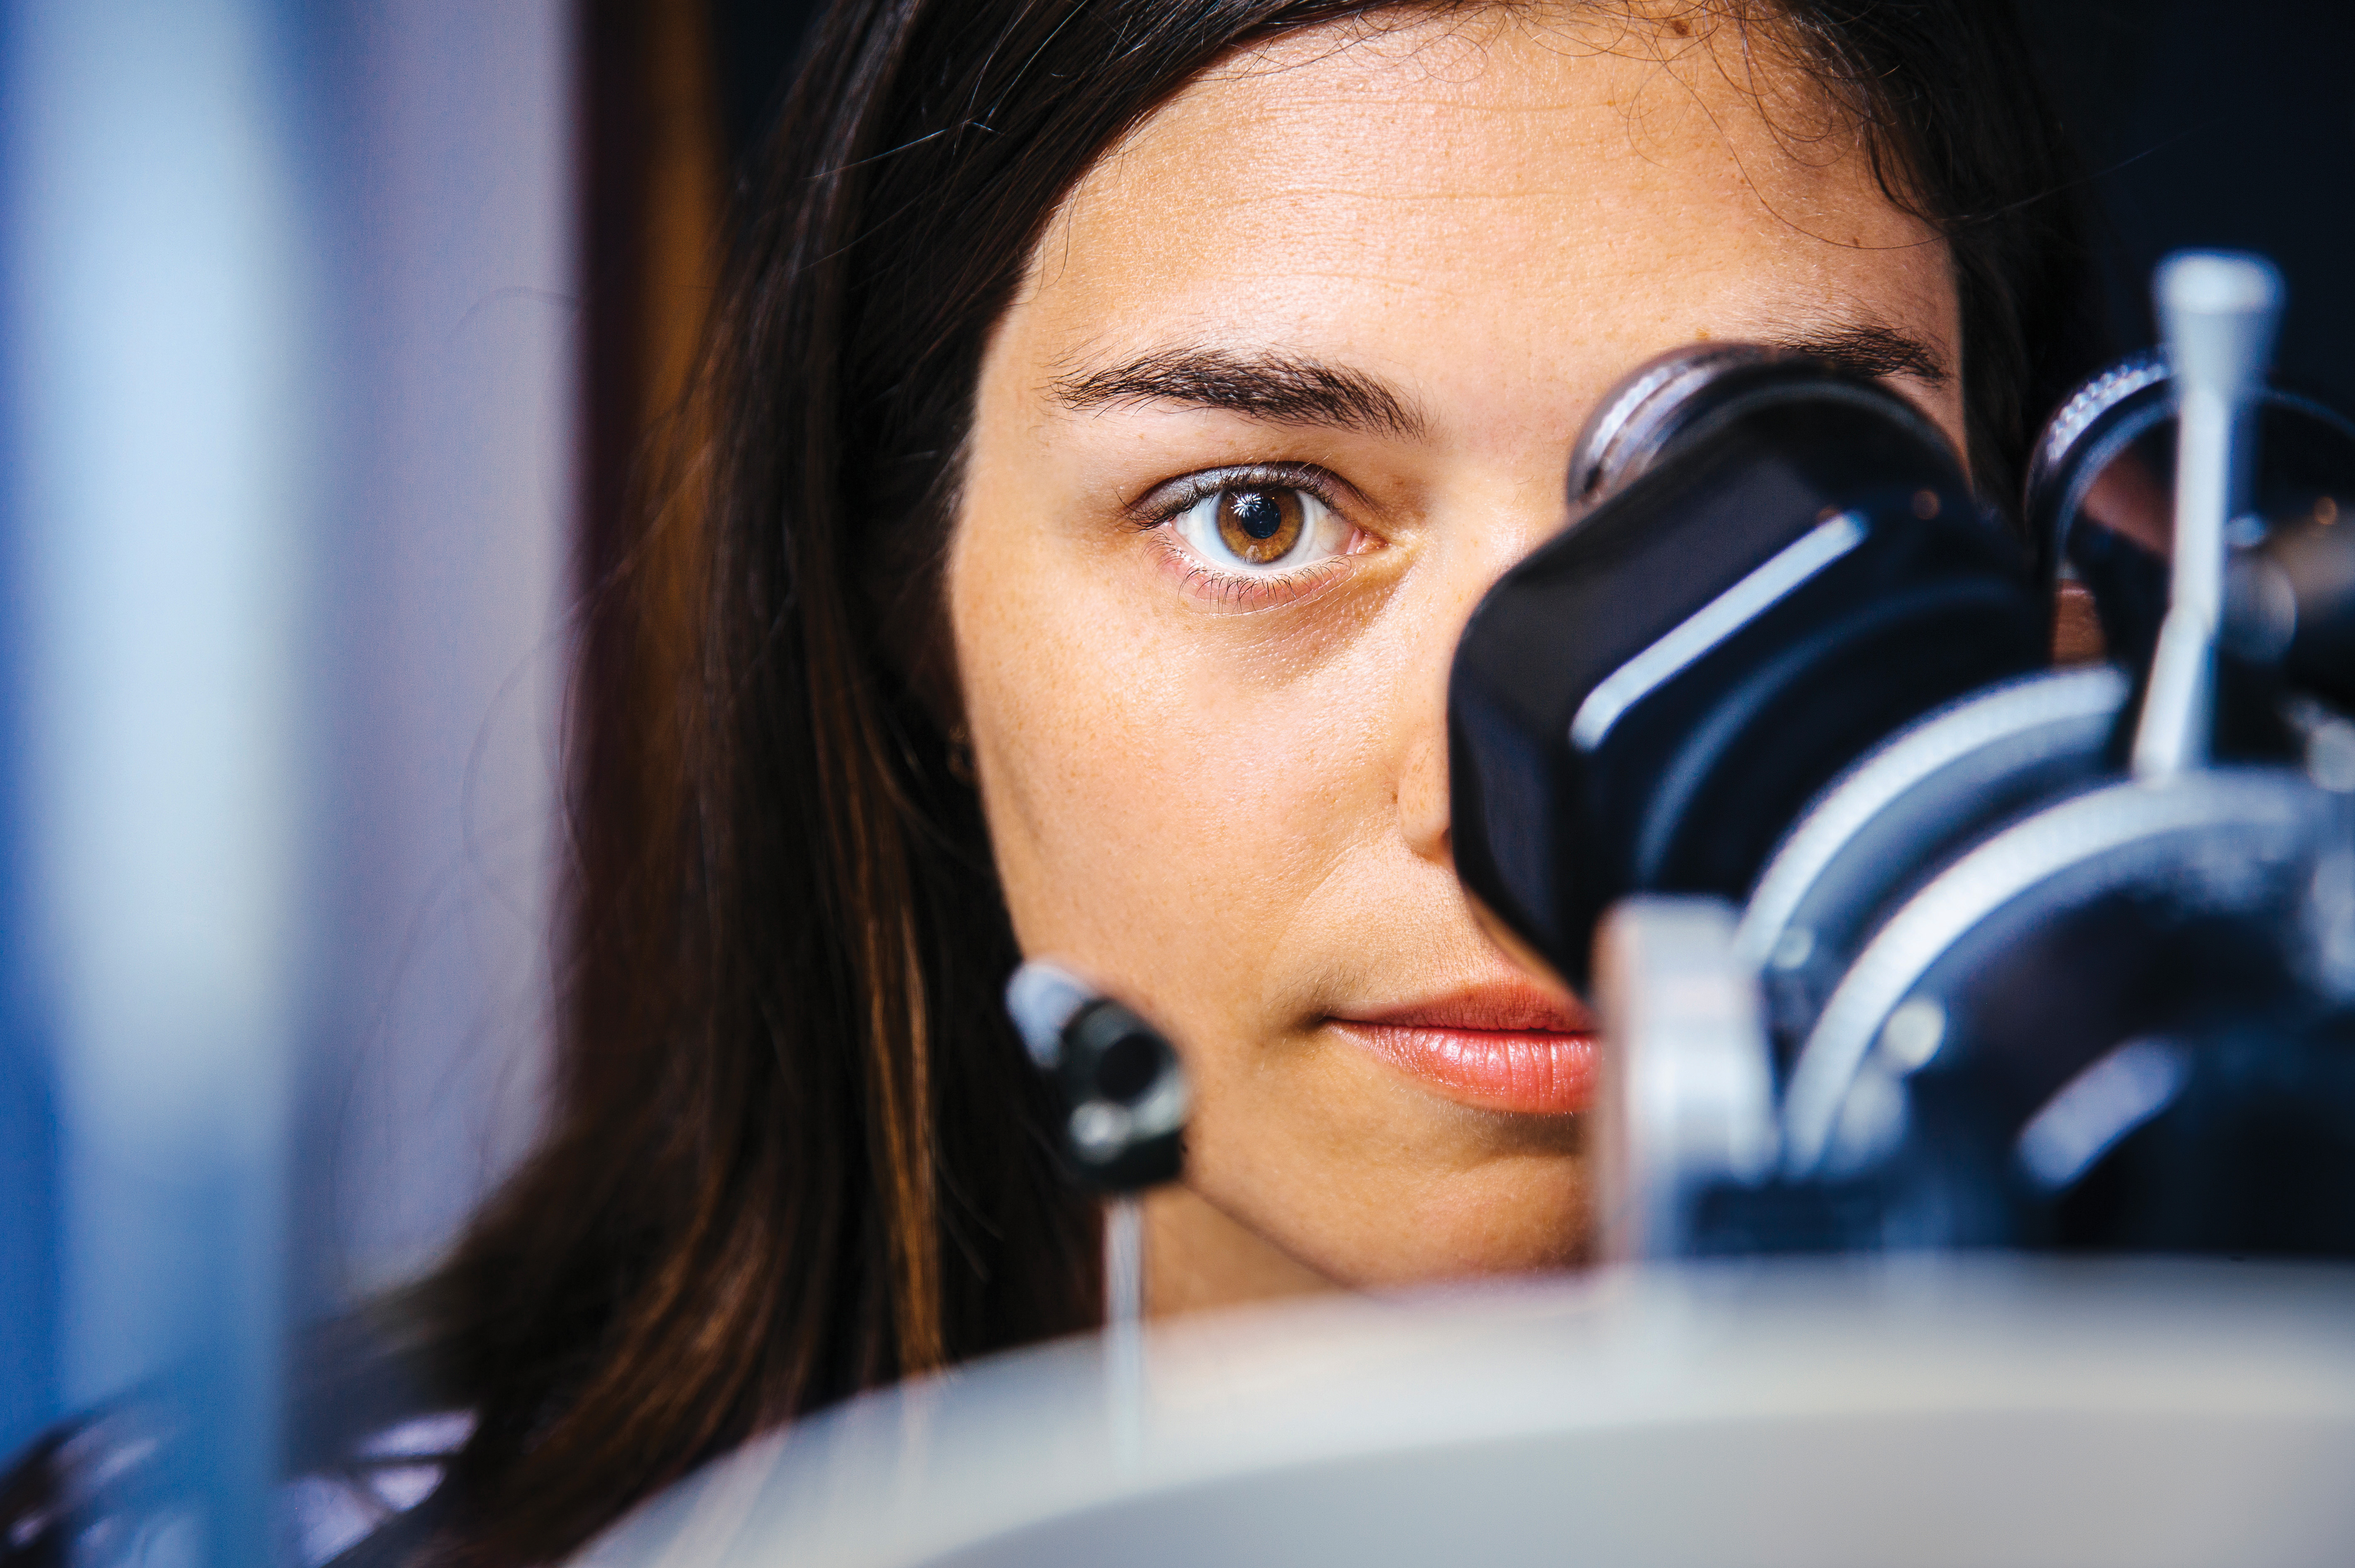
1161,511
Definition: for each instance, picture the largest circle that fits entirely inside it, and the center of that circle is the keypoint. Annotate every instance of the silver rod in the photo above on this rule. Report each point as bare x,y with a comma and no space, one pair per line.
2219,312
1124,1267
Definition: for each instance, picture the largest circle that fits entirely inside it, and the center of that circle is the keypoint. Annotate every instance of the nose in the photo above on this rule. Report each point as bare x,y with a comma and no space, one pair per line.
1422,804
1496,525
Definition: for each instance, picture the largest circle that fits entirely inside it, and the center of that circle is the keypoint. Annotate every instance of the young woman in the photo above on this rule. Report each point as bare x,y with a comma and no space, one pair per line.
1117,409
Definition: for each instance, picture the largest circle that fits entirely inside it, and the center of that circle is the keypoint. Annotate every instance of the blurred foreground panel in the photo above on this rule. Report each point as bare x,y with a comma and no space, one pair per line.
285,419
1965,1412
163,300
446,175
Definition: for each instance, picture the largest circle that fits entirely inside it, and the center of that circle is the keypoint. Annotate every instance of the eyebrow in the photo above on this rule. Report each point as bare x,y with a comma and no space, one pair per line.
1872,351
1286,389
1289,388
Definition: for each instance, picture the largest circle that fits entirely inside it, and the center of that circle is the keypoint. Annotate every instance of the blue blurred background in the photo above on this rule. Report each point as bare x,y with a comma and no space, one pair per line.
289,324
328,337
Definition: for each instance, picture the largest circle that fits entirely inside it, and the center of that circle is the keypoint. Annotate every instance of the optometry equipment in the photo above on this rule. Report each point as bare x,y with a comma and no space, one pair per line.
1901,938
1125,1098
1989,1409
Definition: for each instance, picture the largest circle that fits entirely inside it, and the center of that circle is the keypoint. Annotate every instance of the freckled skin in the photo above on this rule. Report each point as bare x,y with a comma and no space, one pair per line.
1237,815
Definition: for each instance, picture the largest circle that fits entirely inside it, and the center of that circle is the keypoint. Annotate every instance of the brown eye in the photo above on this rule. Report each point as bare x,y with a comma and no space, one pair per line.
1261,525
1261,531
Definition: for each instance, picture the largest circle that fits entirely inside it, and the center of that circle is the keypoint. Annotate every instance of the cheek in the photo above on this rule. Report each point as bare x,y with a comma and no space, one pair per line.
1162,786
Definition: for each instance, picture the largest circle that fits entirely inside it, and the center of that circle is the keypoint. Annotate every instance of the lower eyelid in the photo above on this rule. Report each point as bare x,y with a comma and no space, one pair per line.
1229,589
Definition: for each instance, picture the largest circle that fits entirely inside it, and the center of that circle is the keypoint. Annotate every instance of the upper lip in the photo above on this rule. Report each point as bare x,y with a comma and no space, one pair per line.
1508,1008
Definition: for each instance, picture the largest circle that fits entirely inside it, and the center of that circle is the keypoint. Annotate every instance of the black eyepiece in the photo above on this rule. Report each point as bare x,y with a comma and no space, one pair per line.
1782,563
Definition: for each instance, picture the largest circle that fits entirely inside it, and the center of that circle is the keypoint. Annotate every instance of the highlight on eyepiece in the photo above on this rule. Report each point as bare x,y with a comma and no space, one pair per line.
1644,413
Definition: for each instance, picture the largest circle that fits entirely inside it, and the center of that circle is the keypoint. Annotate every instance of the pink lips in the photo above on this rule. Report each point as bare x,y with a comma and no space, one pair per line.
1501,1047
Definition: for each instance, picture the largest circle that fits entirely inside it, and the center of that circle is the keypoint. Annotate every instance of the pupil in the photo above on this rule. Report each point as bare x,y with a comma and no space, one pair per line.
1258,513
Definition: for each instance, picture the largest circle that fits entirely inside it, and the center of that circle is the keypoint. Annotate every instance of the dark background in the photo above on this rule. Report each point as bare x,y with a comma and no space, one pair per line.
2210,124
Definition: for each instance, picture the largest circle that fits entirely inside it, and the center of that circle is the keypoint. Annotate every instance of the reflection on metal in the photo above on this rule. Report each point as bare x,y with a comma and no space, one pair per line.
2102,1104
1934,776
2235,828
1688,1092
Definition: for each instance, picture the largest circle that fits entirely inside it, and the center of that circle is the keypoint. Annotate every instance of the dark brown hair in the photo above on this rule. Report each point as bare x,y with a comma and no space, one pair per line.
796,1150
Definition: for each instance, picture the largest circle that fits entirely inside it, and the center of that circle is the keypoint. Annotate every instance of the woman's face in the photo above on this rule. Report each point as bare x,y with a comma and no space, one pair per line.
1292,378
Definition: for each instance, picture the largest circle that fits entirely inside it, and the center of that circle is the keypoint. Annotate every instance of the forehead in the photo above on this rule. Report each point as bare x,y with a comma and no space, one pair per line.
1547,187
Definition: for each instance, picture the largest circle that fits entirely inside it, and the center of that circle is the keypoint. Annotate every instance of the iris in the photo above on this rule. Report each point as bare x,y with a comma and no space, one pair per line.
1261,525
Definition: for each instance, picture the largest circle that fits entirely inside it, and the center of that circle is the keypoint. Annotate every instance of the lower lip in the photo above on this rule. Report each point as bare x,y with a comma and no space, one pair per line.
1533,1072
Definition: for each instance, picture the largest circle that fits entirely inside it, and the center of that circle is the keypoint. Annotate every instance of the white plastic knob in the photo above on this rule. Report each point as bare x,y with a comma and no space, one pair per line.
1043,999
2219,310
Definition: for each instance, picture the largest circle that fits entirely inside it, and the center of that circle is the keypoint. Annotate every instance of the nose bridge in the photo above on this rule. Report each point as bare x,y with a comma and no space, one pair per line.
1486,537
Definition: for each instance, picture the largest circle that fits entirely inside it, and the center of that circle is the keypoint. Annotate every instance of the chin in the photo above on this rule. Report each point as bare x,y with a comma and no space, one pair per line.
1517,1215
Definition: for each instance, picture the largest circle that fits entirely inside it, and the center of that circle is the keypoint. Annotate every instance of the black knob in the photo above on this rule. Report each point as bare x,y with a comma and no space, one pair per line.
1123,1091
